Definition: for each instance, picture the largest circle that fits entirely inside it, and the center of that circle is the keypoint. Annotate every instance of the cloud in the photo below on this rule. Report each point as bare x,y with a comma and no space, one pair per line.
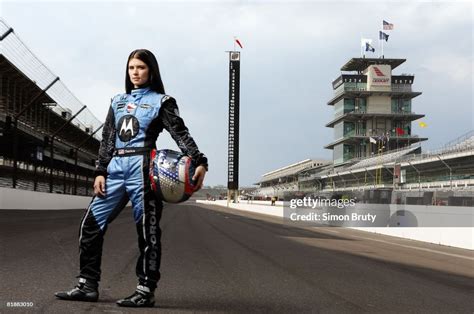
455,66
292,52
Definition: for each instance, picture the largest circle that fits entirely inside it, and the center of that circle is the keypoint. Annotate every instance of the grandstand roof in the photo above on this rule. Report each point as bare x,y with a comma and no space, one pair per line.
356,139
293,169
8,69
11,104
375,161
383,158
26,64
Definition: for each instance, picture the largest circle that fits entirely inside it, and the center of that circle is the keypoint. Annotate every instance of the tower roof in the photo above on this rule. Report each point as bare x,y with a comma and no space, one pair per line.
359,64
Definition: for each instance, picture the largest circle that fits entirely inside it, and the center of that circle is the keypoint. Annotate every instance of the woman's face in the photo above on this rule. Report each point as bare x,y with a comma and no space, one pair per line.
138,72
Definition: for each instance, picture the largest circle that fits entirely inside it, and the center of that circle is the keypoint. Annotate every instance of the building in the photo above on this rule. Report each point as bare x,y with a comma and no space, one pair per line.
372,109
376,158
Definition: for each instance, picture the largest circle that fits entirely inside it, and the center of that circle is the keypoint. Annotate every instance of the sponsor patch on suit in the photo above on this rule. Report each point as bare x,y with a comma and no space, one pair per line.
131,107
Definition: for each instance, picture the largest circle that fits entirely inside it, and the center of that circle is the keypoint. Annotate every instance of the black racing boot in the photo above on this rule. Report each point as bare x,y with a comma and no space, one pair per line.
142,297
85,290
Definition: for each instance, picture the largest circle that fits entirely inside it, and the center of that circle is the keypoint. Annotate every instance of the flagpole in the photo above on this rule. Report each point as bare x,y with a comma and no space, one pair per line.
379,47
382,40
382,47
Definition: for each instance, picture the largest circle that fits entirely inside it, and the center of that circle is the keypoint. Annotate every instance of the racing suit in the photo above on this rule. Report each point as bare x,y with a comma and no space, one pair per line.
132,126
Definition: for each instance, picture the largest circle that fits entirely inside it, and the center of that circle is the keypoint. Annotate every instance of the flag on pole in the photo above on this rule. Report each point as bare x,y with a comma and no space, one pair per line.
238,42
387,25
366,44
368,47
372,140
383,36
422,124
400,131
364,41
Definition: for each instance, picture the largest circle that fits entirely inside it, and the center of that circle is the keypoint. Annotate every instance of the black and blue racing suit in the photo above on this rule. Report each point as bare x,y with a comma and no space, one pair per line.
132,126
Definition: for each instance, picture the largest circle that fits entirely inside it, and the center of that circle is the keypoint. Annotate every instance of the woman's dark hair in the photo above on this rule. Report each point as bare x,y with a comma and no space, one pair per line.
154,81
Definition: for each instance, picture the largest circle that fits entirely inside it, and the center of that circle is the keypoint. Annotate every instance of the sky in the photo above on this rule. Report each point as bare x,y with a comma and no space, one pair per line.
292,51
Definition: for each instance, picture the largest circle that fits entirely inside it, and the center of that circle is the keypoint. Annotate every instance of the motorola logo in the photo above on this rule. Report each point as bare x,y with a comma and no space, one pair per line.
128,127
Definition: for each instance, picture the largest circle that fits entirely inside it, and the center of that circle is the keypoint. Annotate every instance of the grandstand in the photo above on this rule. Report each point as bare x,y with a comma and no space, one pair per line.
285,179
376,158
406,176
48,138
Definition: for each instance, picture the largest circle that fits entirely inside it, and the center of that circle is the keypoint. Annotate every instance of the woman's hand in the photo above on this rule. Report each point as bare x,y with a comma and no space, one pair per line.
199,176
99,186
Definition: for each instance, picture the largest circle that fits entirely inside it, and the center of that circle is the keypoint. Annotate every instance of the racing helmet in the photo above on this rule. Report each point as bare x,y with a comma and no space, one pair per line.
171,175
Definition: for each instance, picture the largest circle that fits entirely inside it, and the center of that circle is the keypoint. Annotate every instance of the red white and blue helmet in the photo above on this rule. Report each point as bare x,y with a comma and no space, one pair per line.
171,175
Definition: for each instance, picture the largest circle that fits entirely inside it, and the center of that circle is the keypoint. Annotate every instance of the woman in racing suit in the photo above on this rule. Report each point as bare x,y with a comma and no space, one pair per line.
132,126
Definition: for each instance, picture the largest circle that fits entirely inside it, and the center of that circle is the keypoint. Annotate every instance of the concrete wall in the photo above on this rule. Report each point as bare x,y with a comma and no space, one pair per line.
22,199
456,237
277,203
256,207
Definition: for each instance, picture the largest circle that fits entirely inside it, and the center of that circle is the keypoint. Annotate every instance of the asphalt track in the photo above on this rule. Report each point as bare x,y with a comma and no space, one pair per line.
221,260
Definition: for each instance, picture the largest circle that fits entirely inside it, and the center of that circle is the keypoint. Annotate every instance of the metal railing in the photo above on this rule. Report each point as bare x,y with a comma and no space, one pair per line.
23,58
459,140
461,144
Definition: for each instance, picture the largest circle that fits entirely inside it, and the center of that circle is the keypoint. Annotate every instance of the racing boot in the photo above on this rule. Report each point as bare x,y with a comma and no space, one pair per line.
85,290
142,297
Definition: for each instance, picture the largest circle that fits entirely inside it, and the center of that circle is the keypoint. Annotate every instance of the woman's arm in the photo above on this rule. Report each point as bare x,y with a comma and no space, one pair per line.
107,145
174,124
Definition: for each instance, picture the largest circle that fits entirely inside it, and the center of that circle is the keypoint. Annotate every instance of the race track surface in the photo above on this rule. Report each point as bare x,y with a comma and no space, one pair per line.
222,260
